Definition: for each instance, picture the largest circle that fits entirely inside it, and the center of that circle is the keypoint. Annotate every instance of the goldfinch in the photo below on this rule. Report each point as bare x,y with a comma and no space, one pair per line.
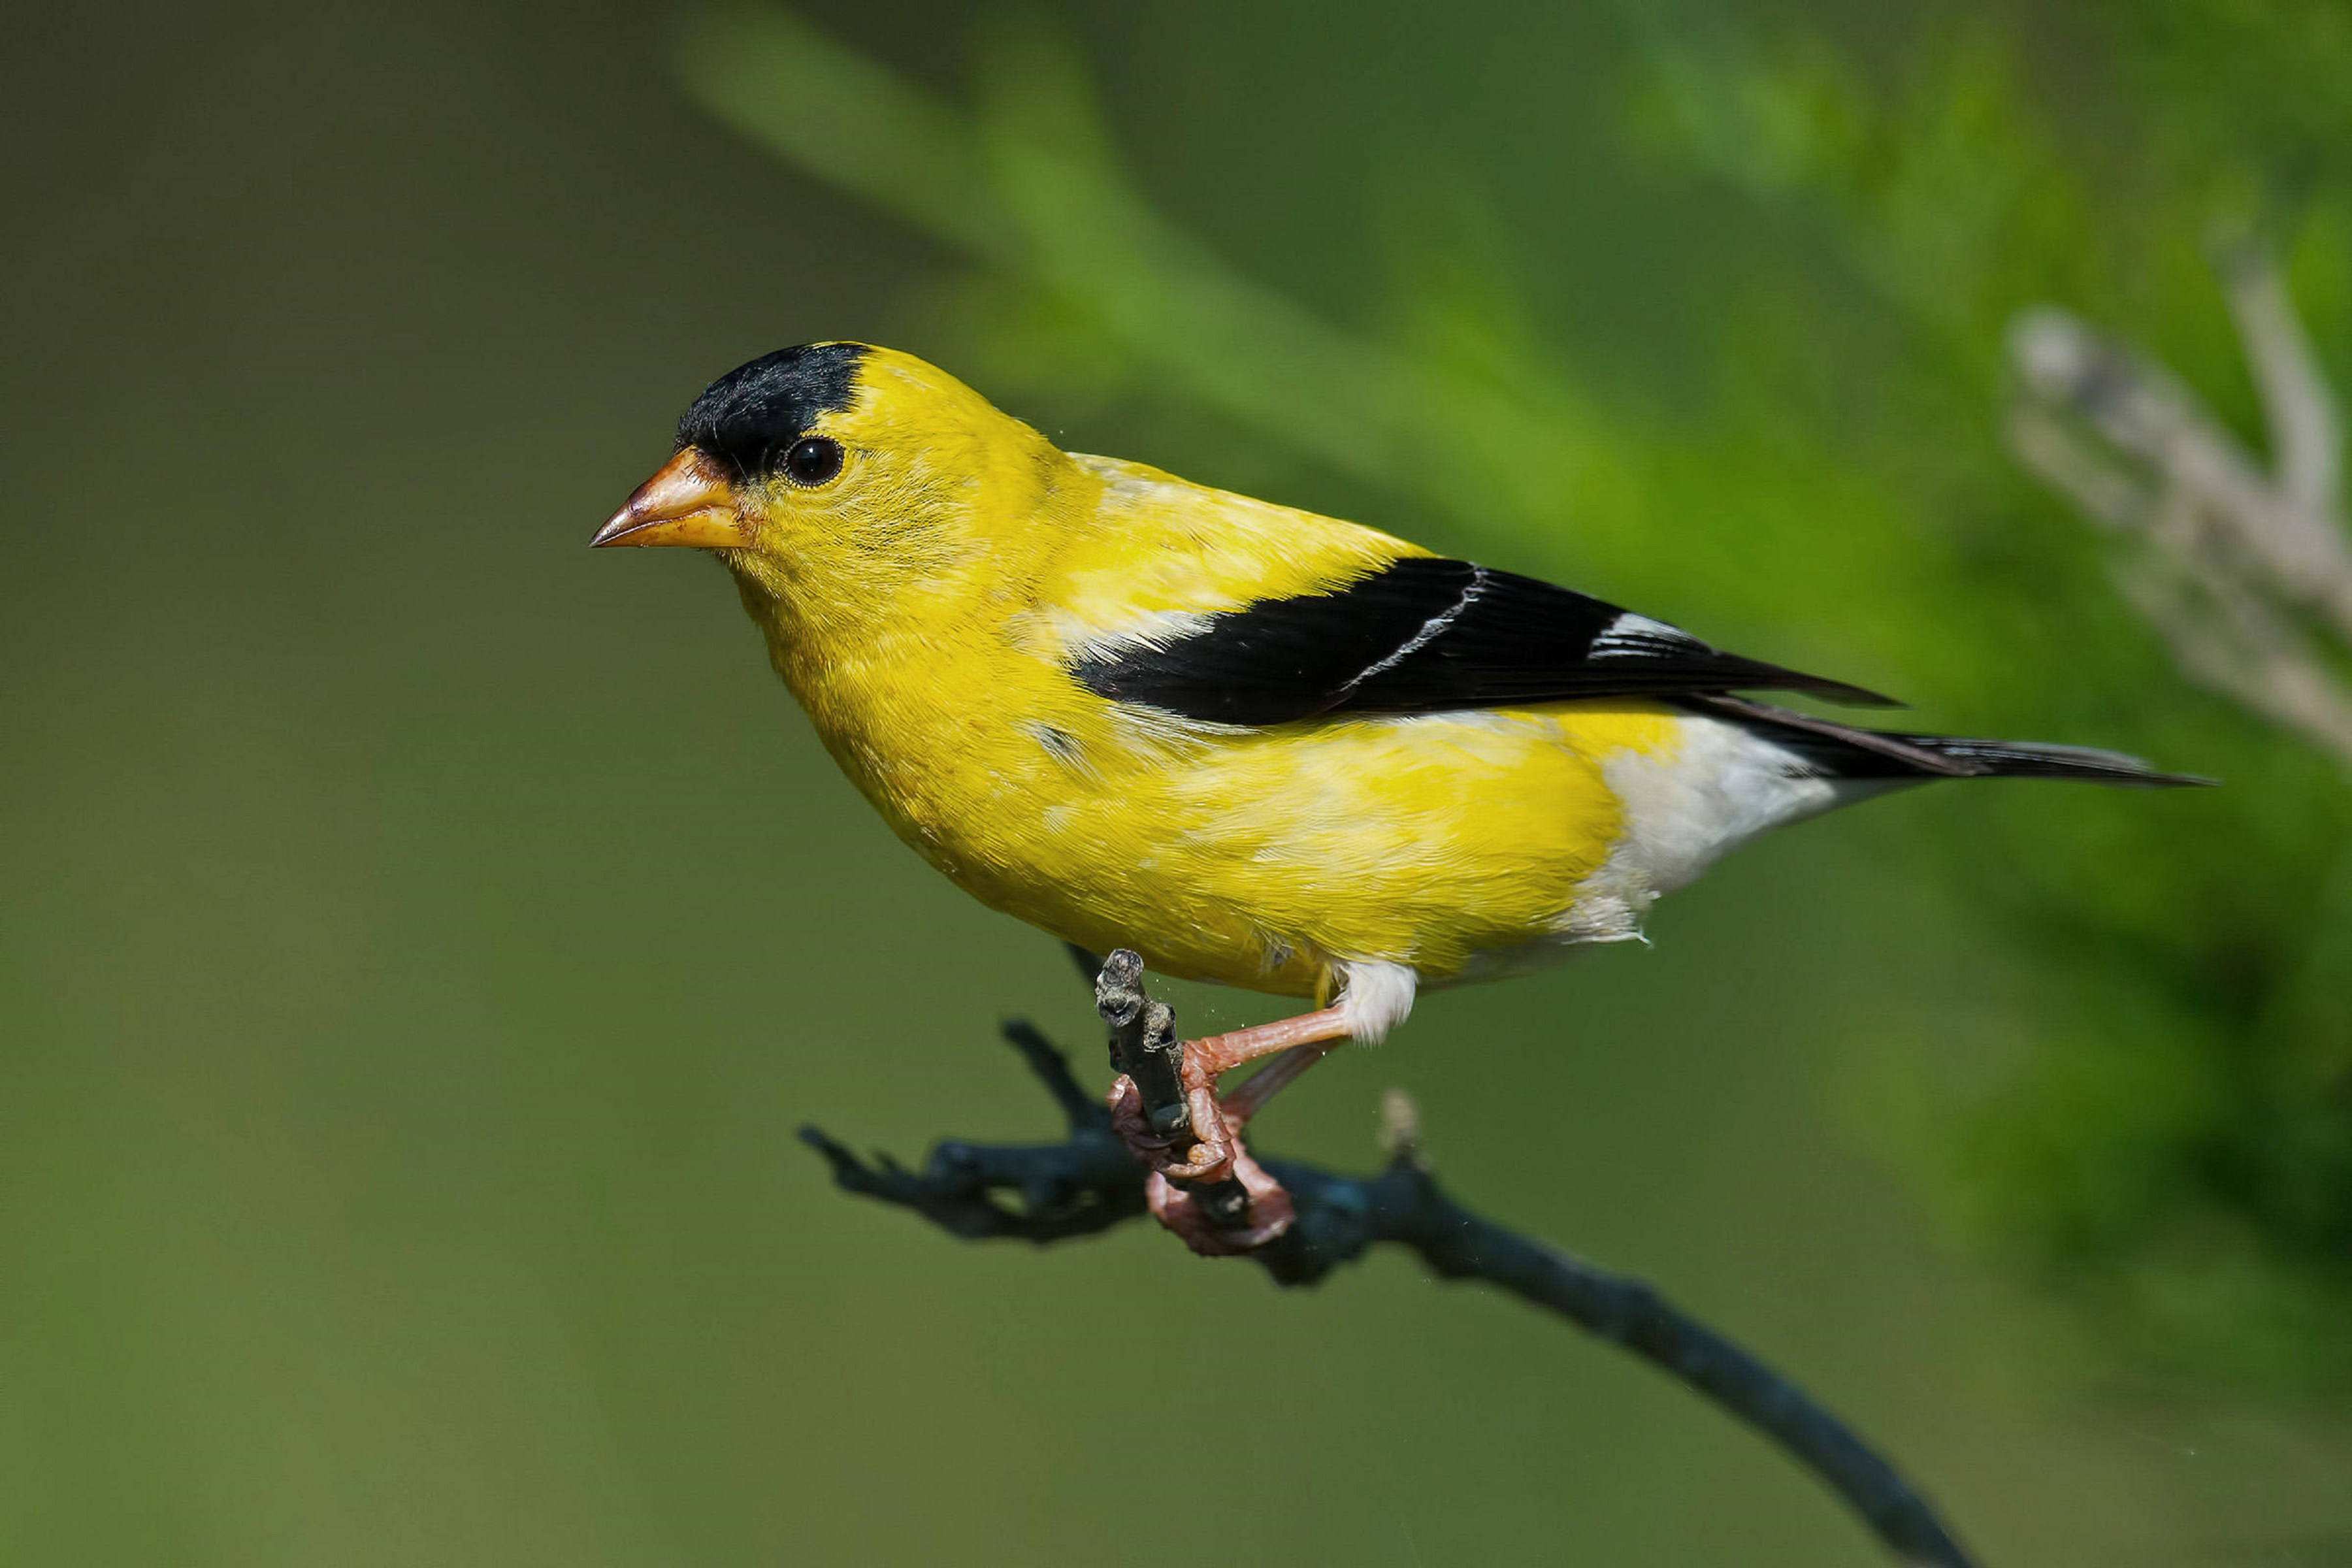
1259,746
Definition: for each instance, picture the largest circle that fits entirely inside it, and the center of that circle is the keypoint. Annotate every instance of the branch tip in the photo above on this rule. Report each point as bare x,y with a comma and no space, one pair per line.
1051,1068
1400,1133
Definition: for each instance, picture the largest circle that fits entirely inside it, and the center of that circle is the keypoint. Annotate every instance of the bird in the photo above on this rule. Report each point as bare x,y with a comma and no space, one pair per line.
1256,745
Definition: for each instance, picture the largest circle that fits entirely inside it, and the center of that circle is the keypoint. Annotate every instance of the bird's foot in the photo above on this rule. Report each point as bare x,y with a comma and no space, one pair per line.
1201,1148
1267,1210
1204,1185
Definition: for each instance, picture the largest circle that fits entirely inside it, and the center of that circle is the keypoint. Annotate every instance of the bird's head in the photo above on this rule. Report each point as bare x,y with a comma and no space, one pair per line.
816,468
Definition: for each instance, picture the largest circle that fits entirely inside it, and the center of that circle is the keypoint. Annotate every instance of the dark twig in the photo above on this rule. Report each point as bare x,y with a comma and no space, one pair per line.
1089,1183
1143,1045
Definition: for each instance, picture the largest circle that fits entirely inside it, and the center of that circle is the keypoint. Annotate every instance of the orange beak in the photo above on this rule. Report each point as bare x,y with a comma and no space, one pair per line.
690,501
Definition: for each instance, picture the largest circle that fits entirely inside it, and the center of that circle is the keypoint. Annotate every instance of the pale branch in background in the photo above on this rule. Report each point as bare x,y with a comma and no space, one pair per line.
1089,1183
2245,567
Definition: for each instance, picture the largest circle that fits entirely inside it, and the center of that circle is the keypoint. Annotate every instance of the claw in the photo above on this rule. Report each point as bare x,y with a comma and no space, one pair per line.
1213,1154
1270,1209
1209,1145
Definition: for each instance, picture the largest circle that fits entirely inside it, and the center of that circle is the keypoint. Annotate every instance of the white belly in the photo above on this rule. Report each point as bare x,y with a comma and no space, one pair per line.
1721,787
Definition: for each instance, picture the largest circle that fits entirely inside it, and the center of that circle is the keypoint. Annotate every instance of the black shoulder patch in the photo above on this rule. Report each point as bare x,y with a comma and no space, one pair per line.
755,413
1425,635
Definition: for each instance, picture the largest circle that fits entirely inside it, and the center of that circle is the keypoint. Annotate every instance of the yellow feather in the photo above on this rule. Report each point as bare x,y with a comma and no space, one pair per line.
921,609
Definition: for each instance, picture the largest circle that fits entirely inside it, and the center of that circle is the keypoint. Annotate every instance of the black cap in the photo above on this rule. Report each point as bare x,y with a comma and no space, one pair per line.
750,417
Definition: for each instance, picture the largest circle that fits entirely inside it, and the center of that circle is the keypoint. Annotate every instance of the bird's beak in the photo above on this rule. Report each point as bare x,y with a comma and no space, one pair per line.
690,501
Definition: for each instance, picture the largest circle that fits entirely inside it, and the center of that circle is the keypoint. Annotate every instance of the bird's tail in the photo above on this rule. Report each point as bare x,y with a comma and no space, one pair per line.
1844,751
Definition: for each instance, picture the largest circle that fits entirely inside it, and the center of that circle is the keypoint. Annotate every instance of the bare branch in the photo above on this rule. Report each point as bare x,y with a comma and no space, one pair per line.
2105,493
2246,568
2148,417
1088,1183
2306,441
2238,649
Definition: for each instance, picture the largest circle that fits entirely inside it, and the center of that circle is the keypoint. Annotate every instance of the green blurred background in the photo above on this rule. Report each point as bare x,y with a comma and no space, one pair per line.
419,937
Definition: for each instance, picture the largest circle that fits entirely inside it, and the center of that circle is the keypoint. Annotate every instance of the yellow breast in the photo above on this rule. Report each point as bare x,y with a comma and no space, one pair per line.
1253,857
1256,857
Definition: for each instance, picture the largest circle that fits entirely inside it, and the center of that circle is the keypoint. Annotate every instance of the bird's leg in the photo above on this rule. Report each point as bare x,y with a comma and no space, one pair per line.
1210,1132
1220,1054
1276,1075
1204,1186
1249,1207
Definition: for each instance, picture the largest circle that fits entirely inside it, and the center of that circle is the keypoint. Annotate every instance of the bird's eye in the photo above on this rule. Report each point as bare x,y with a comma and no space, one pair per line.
812,461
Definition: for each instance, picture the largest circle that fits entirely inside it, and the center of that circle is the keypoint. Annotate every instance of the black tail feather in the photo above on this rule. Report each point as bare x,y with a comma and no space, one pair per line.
1842,751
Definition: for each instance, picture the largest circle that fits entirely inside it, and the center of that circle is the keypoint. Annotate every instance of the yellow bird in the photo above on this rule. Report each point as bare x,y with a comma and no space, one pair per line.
1261,747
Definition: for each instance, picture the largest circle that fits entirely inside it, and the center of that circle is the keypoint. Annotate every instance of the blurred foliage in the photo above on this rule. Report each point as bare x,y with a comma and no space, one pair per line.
1825,487
420,933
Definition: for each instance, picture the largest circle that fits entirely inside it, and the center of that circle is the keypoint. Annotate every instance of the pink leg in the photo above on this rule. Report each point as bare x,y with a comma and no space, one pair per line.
1219,1054
1276,1075
1209,1150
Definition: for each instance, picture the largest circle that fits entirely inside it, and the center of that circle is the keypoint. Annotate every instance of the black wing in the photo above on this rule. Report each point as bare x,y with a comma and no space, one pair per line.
1426,636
